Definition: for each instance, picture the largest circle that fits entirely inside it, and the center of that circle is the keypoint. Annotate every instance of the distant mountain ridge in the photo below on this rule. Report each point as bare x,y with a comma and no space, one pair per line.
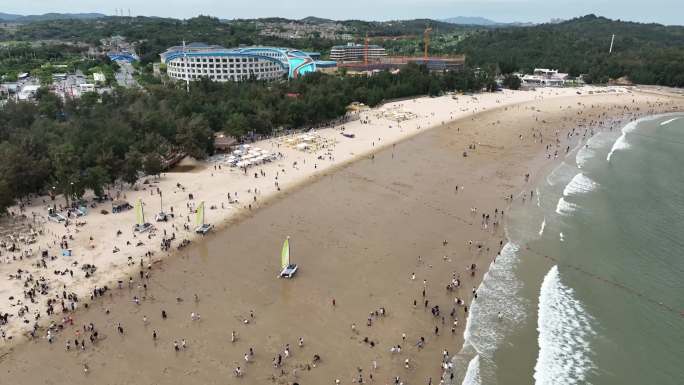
477,20
49,16
471,20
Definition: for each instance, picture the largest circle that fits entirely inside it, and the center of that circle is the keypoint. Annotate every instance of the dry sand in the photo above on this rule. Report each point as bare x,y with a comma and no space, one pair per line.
357,232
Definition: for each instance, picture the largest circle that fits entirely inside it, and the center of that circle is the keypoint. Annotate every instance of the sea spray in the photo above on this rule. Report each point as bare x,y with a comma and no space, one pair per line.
564,331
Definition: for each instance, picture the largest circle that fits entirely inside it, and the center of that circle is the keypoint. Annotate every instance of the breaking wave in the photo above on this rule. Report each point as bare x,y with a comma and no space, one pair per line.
590,149
472,376
579,184
564,332
498,293
621,142
565,208
668,121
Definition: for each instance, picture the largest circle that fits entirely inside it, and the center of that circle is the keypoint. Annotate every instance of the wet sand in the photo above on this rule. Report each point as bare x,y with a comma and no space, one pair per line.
357,233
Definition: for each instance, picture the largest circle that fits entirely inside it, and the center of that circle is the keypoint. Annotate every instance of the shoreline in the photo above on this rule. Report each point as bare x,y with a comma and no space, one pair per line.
470,364
331,170
423,118
467,361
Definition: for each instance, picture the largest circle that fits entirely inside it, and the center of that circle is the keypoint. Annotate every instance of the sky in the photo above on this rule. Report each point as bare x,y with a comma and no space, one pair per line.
658,11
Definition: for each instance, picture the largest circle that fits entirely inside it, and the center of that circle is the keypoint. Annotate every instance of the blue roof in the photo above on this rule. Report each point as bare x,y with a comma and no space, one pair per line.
123,56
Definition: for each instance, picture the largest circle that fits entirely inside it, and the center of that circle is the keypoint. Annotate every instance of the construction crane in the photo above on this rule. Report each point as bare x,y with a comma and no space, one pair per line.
426,41
365,50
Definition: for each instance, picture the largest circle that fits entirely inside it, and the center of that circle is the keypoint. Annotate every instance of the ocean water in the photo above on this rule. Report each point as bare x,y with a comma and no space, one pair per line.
590,287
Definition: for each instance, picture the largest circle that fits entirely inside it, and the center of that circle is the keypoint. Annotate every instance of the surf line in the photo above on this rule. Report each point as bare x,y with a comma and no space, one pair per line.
616,284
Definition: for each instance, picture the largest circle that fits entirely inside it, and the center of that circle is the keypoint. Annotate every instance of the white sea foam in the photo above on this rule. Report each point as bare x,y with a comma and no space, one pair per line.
590,150
564,207
621,143
498,293
543,225
472,376
579,184
668,121
561,174
564,332
583,156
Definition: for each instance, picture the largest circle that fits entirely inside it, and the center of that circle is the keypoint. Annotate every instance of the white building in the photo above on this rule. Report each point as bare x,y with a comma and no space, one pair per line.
356,52
86,87
99,77
28,92
195,61
544,77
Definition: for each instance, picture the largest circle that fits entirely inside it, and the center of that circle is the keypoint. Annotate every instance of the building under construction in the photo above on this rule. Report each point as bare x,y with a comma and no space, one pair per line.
433,63
373,58
356,52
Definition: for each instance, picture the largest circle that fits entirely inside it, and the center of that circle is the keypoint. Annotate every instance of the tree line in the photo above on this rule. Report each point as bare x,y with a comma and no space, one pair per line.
65,147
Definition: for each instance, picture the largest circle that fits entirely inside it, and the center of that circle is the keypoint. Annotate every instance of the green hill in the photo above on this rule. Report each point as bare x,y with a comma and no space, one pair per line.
646,53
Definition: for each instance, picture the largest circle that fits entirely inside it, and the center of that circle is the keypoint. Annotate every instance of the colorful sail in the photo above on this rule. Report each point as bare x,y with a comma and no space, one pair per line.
139,215
285,254
200,214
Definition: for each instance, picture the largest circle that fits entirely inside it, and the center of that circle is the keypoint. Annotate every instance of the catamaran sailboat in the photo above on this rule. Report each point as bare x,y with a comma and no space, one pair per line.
141,226
202,228
161,215
288,269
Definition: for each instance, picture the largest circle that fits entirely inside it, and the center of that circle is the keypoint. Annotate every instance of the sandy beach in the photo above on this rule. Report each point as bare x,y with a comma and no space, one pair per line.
364,215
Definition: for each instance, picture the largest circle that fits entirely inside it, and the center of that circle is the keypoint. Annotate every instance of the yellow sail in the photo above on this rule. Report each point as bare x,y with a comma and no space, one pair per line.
139,216
285,254
200,214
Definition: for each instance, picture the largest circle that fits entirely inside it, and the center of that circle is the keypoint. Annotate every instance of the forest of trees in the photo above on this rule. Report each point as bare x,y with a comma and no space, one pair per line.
155,34
53,146
645,53
56,146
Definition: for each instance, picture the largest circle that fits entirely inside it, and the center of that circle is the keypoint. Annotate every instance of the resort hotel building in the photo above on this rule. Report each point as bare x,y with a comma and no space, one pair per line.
356,52
197,60
543,77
